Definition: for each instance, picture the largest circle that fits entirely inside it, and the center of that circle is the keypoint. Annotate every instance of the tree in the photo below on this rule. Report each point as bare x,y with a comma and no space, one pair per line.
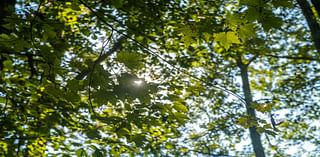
138,77
311,17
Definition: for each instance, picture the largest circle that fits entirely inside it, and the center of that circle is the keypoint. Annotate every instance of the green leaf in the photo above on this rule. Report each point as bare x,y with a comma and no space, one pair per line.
9,26
187,35
81,152
75,5
8,64
92,133
180,107
49,31
252,14
233,20
260,130
181,117
117,3
56,146
226,39
73,85
97,153
169,146
132,60
187,40
283,3
272,133
271,22
247,31
123,132
207,36
139,140
3,99
4,37
54,91
73,97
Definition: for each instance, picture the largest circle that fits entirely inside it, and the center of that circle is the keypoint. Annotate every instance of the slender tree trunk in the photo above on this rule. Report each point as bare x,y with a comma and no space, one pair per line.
316,4
312,21
254,135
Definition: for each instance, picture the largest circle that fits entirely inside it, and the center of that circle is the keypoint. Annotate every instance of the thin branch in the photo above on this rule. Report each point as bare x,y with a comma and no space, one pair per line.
105,43
31,65
23,138
38,21
270,144
207,153
294,58
3,112
117,45
5,105
31,25
252,59
208,115
32,38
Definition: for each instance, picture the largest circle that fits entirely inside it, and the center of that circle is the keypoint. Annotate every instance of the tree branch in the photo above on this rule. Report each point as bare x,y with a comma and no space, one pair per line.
294,58
252,59
31,65
117,46
208,153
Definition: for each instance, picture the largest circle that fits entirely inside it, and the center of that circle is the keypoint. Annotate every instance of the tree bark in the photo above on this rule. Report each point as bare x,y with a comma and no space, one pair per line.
254,135
312,21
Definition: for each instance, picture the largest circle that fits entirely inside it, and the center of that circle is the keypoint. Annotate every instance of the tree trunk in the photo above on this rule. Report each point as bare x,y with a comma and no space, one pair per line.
316,4
312,21
254,135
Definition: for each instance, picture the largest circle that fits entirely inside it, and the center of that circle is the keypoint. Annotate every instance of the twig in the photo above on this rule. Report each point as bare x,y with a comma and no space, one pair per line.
252,59
208,115
4,110
31,25
105,43
208,153
270,144
294,58
117,45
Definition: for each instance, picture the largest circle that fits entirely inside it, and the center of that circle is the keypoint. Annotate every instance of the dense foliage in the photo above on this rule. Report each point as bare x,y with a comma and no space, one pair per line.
159,77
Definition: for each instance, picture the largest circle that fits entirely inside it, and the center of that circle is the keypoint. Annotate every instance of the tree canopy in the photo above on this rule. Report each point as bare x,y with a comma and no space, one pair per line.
159,78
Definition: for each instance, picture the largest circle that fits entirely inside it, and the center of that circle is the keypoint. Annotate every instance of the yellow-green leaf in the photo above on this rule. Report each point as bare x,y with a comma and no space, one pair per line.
226,39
